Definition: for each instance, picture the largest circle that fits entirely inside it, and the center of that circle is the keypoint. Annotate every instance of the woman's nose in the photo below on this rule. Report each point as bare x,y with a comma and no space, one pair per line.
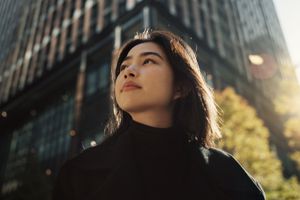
130,71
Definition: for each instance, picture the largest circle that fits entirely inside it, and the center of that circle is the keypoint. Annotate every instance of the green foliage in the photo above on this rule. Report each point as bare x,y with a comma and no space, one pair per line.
296,157
288,190
292,132
287,104
246,137
287,101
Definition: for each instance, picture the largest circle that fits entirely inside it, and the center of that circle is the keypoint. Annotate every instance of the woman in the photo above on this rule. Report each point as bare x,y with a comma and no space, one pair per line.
161,133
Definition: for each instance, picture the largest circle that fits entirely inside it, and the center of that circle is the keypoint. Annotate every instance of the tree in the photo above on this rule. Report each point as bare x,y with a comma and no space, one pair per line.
292,134
287,104
246,137
287,101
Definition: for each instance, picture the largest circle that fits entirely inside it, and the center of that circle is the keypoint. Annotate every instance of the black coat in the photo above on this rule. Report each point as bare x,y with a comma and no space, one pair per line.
108,172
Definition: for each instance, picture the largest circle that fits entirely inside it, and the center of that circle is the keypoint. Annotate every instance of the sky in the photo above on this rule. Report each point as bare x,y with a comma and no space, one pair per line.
289,16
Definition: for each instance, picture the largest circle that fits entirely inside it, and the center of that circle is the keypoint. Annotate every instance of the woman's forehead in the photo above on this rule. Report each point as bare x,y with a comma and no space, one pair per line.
142,48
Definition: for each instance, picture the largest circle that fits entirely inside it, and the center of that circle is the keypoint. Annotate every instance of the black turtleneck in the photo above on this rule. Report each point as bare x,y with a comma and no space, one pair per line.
162,165
160,159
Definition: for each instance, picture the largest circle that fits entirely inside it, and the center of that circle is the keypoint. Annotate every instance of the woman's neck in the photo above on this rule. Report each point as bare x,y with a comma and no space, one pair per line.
154,119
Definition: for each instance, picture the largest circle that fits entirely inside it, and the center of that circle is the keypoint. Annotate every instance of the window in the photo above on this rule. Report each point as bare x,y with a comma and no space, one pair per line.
94,18
91,82
80,31
104,76
68,39
107,12
122,7
97,79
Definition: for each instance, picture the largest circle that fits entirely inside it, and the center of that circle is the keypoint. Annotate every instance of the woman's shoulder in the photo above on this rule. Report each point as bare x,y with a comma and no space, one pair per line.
93,157
229,174
222,162
90,166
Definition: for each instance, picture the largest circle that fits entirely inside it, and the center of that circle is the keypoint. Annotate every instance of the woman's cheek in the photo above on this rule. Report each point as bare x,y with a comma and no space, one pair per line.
117,90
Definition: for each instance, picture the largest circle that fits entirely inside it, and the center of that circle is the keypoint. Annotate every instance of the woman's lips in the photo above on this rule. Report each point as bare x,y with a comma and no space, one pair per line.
130,87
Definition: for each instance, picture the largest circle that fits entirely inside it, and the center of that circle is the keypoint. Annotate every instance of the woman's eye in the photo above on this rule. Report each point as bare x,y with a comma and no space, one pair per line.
123,66
147,61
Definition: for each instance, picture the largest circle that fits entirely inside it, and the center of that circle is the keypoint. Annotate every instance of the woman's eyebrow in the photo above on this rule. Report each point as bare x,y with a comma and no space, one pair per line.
145,54
152,53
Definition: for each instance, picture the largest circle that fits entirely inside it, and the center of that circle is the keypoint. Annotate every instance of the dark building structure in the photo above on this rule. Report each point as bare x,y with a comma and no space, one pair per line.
55,68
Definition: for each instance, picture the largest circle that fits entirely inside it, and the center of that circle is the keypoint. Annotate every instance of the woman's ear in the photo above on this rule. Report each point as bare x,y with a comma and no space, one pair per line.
177,94
180,91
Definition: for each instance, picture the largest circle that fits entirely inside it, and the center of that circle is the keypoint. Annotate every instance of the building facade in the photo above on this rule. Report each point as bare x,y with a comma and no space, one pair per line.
55,69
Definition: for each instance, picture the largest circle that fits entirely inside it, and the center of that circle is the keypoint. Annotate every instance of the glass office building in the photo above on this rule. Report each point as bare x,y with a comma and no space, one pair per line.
55,68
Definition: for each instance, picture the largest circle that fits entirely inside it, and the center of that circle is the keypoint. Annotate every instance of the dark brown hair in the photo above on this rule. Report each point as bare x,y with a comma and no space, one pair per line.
195,111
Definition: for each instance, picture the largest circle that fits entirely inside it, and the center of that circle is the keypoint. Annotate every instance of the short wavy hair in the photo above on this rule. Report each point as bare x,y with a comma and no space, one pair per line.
196,111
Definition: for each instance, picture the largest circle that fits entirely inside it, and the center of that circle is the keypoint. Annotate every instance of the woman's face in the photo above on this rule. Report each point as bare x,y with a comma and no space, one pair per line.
146,66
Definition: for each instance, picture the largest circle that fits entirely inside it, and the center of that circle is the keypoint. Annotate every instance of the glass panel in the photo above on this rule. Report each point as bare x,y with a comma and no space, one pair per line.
104,76
91,82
